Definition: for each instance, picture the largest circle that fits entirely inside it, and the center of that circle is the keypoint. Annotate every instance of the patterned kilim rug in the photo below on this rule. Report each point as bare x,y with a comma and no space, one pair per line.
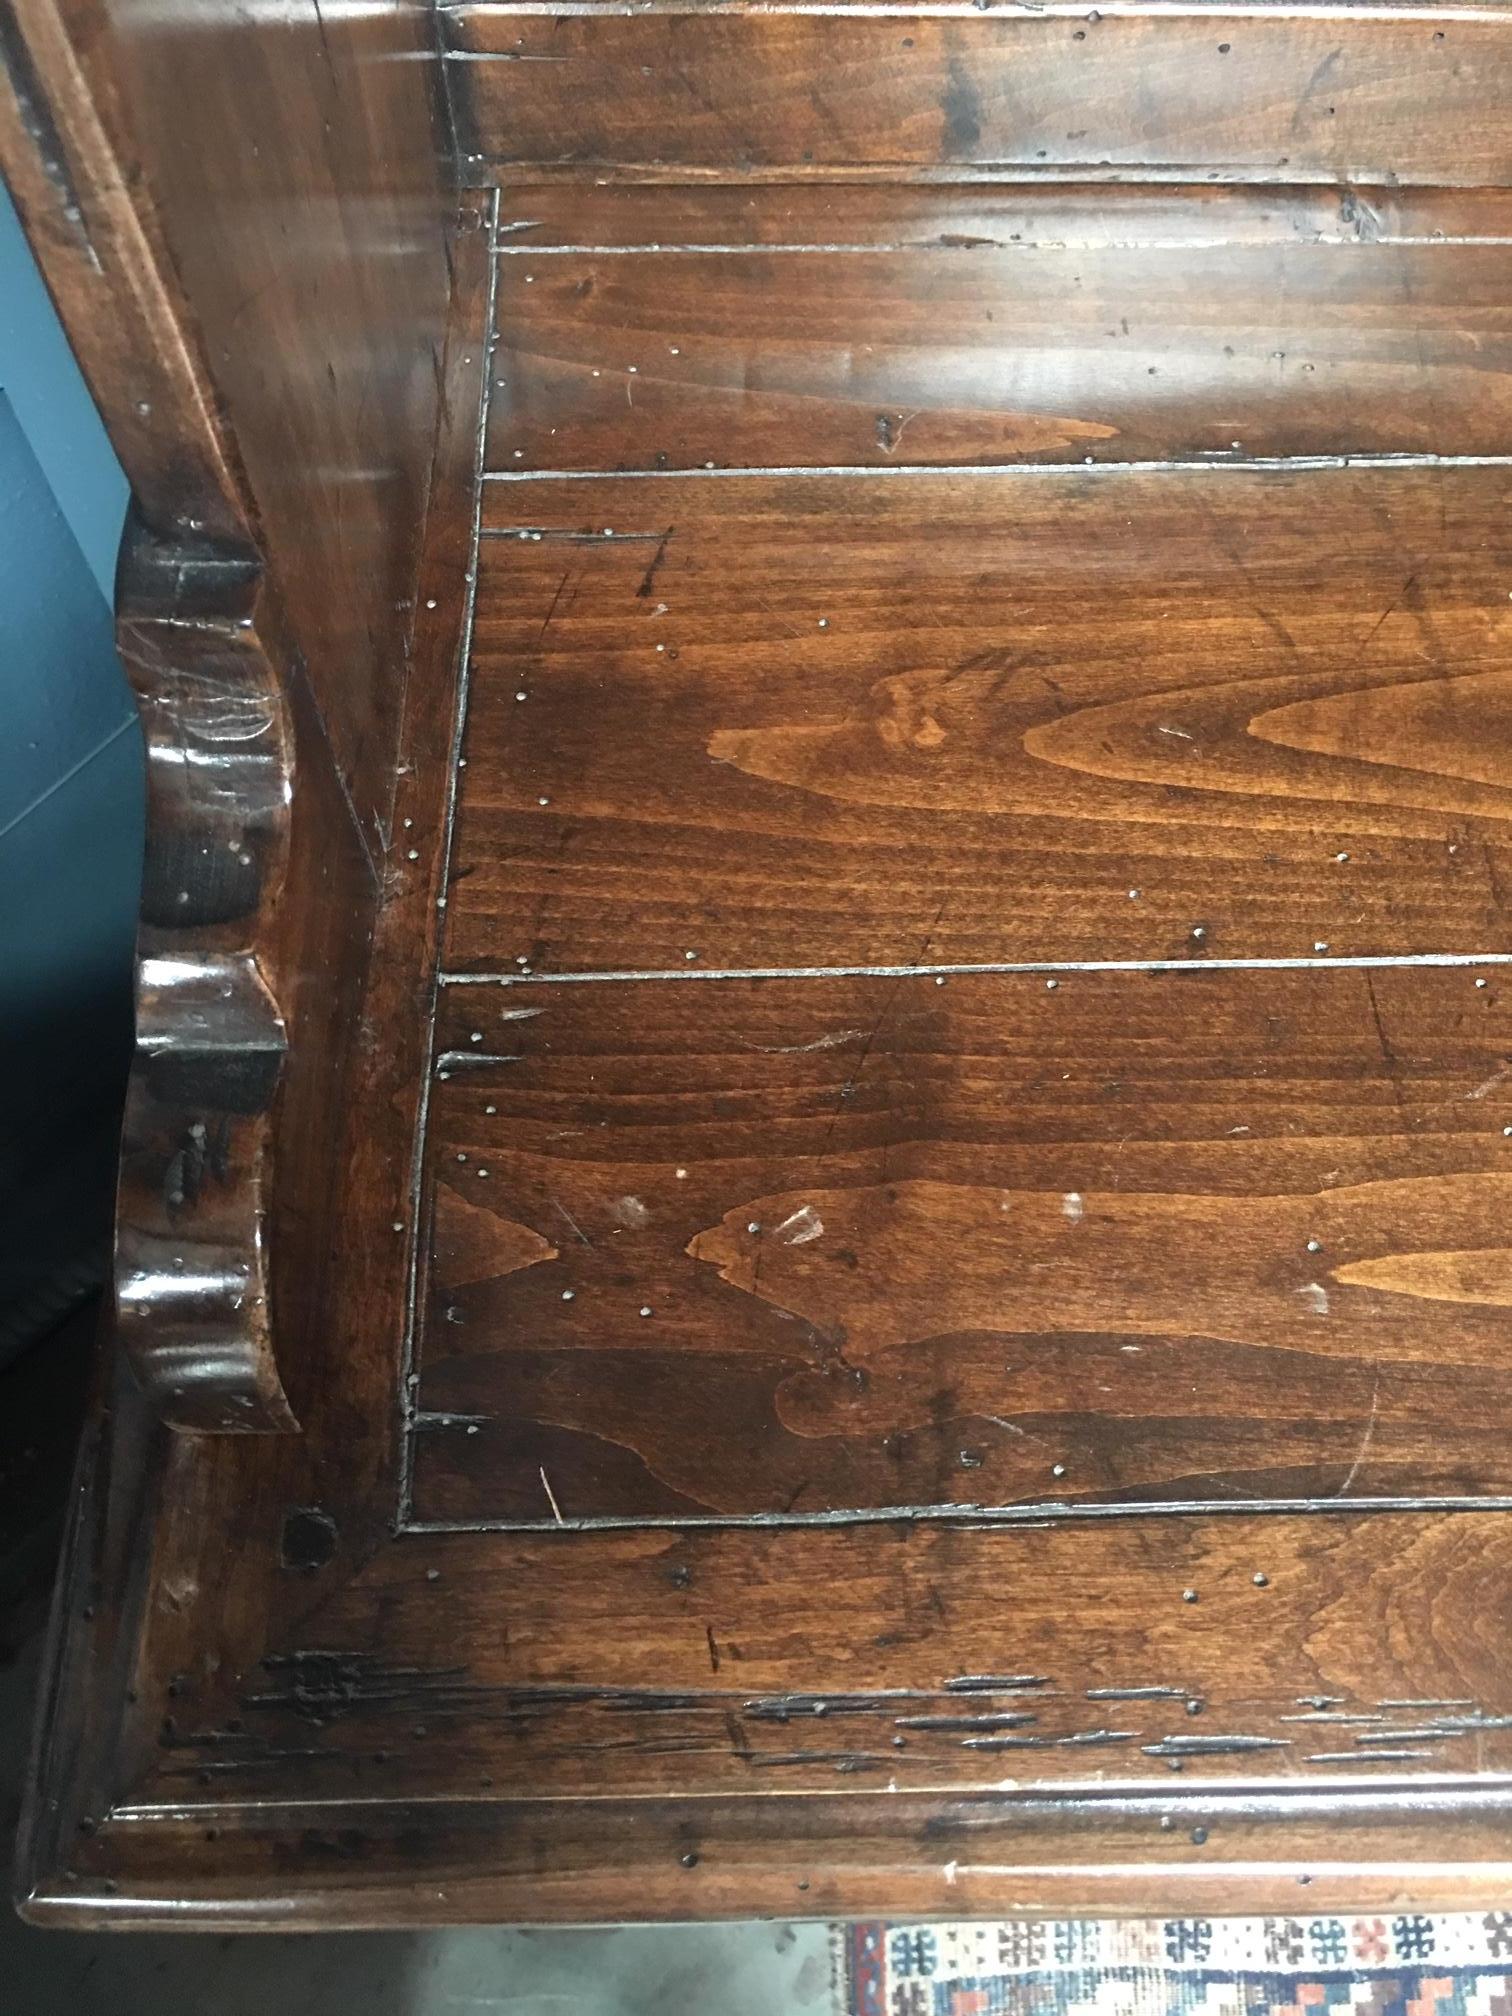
1413,1964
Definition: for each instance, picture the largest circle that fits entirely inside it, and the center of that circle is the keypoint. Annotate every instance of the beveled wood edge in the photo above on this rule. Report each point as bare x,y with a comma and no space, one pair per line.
87,1653
1090,1851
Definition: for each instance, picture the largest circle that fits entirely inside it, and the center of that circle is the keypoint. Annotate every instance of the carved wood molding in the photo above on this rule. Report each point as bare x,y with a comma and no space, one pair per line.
191,1266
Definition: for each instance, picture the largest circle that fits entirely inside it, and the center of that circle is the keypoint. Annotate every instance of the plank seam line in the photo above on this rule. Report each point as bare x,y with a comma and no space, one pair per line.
1034,1516
526,250
1346,962
954,10
1221,459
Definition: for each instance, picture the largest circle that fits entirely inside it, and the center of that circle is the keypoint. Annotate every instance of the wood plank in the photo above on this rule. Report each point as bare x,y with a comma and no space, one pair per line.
988,354
541,216
750,1248
1113,714
1274,95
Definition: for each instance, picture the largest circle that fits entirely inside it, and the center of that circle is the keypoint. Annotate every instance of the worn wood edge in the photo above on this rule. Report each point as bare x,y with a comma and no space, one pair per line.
1091,1851
486,170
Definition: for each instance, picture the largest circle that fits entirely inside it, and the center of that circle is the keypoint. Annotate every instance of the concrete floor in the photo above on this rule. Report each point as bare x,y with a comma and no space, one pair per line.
715,1970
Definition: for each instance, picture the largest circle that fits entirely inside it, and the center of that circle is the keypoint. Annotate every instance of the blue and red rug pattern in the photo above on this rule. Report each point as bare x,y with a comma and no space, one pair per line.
1409,1964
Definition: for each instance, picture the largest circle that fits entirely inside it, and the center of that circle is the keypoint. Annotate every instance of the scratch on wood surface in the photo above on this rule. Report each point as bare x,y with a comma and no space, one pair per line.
562,1212
1013,1428
968,1724
1365,1439
556,1510
1139,1694
890,430
648,579
994,1683
831,1042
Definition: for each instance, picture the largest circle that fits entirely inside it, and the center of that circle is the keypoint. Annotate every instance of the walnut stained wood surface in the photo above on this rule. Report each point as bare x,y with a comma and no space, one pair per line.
905,326
1270,95
1119,714
897,1181
742,1247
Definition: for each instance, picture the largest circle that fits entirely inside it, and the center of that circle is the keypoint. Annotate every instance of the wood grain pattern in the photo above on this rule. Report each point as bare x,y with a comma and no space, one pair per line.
299,202
964,327
828,721
1273,95
1053,1417
427,1783
742,1248
1095,215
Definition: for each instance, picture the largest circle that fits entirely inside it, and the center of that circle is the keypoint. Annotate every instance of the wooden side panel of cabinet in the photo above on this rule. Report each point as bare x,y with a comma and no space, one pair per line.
244,224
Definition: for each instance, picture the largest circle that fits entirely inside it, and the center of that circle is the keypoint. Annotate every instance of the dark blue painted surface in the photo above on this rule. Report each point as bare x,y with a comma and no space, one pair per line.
65,695
70,775
40,378
71,802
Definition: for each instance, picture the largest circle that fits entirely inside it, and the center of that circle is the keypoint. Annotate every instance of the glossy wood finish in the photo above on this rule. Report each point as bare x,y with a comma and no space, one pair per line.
1045,213
1271,95
192,1282
913,326
979,712
788,1421
741,1247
